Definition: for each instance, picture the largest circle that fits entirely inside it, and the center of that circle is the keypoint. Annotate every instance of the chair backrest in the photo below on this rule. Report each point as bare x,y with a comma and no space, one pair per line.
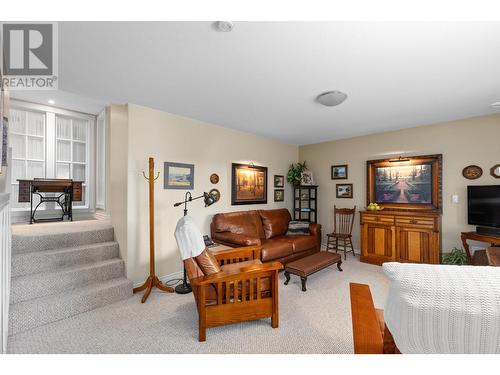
343,220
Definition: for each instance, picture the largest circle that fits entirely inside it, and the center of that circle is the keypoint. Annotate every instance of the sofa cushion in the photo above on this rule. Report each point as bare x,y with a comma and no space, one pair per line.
297,228
275,222
277,247
207,262
302,243
247,223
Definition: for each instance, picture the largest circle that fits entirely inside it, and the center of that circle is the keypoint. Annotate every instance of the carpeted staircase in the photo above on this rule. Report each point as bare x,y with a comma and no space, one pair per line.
63,270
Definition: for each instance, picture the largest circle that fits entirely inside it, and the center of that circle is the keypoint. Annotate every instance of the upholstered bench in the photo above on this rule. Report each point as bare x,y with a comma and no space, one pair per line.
311,264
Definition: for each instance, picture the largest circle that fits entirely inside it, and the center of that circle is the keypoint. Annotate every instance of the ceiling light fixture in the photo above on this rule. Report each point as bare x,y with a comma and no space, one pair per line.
331,98
223,26
495,105
51,101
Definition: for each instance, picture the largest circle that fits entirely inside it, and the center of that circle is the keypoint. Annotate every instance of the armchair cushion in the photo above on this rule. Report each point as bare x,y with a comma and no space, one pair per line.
207,262
275,222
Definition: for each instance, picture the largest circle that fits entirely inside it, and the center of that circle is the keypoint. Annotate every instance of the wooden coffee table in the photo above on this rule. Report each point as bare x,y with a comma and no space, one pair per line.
311,264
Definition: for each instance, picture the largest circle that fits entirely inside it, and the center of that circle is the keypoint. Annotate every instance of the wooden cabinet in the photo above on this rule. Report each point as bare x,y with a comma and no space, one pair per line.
394,236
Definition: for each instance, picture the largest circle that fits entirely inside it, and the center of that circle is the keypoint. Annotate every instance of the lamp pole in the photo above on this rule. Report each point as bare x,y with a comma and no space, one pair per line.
185,287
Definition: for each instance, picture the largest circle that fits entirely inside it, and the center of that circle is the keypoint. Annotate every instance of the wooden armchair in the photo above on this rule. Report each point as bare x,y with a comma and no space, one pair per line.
244,289
370,334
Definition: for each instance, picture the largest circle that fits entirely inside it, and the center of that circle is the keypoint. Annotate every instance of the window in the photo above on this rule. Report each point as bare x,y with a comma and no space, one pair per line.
27,134
71,150
49,143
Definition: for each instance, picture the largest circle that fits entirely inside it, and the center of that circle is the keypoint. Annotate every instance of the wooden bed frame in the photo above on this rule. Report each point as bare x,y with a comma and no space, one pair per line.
370,334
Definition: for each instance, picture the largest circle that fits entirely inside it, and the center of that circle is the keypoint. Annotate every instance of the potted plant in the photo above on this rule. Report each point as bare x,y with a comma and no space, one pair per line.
456,257
294,175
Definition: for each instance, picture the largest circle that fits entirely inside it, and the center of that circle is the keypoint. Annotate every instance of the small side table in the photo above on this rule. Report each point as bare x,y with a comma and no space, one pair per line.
493,255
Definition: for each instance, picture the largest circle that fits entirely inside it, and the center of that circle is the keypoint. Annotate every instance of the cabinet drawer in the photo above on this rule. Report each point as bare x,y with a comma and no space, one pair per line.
426,222
367,218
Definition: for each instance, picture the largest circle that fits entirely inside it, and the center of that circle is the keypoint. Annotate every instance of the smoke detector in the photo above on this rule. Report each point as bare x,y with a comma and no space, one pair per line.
223,26
331,98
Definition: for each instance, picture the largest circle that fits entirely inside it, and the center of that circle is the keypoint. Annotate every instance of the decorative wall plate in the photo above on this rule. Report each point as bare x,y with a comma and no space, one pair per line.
215,194
495,171
472,172
214,178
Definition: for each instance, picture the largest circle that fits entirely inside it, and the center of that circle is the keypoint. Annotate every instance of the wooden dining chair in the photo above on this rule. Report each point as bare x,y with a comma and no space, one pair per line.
343,221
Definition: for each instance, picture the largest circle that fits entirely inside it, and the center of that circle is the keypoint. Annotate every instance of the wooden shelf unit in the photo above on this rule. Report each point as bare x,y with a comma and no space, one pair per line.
305,203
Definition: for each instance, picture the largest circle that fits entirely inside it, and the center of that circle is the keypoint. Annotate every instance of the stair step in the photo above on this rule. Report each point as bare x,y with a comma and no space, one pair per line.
51,260
44,310
28,287
29,243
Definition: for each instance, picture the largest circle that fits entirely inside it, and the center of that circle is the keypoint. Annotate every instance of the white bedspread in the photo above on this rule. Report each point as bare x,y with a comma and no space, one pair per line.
443,309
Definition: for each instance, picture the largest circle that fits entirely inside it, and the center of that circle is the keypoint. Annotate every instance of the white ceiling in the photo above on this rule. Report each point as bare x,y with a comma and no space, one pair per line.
263,77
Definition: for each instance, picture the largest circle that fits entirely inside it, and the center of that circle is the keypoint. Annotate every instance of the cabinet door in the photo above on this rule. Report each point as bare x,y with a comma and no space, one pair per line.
416,245
378,243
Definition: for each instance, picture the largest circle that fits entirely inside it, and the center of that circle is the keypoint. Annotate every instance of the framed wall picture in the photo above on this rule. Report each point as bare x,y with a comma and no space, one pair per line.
178,176
339,172
307,178
279,181
279,195
248,184
409,183
343,191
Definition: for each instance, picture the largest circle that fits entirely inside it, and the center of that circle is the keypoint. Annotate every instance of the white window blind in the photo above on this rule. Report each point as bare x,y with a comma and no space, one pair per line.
27,131
72,150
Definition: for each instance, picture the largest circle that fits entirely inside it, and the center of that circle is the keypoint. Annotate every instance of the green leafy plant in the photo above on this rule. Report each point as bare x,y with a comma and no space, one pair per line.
294,175
456,256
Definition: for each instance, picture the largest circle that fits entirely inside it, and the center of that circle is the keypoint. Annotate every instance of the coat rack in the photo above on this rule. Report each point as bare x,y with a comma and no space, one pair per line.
152,280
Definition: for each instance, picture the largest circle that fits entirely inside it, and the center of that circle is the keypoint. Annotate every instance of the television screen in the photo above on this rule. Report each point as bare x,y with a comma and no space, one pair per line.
484,205
404,184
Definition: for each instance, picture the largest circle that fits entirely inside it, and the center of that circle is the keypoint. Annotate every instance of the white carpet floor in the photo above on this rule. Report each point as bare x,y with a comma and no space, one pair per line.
316,321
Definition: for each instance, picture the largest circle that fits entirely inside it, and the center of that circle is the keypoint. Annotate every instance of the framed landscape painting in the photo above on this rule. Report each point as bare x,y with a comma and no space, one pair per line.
178,176
248,184
405,183
339,172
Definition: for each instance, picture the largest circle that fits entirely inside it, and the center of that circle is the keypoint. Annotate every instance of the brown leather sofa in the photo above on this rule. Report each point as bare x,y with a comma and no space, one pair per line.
266,228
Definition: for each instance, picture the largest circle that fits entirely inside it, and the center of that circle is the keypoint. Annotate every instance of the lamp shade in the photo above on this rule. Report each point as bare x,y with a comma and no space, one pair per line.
208,199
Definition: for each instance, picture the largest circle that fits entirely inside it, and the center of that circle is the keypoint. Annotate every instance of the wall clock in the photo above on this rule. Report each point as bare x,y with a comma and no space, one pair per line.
472,172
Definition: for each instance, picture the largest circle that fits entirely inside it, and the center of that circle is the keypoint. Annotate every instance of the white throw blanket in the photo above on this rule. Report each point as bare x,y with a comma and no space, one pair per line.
443,308
189,238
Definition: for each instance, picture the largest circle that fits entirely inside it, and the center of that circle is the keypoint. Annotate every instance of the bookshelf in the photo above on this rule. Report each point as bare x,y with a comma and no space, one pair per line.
305,198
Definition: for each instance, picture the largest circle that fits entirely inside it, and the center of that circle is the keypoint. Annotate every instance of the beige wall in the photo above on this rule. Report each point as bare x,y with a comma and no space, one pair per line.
212,149
463,142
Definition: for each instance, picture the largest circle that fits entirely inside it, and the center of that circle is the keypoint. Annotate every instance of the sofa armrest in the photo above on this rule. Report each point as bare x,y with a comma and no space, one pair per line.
237,239
315,229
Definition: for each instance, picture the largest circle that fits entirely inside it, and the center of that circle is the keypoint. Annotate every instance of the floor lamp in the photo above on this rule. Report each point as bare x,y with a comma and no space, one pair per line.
185,288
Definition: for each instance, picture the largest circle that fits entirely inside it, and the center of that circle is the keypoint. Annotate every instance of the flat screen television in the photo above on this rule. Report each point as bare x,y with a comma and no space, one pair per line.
483,205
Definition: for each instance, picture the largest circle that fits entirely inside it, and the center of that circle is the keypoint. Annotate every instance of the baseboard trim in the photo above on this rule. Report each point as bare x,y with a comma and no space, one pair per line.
180,274
165,278
356,251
